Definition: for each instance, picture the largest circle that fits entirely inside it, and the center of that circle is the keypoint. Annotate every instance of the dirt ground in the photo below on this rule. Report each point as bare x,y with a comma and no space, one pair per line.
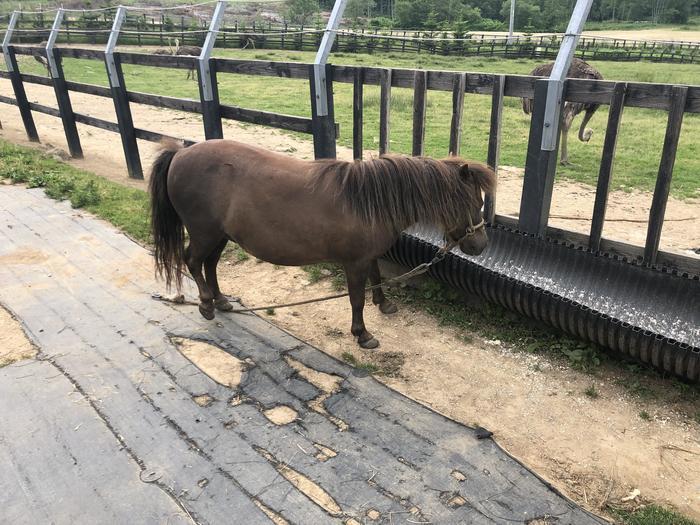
664,34
572,203
14,345
597,450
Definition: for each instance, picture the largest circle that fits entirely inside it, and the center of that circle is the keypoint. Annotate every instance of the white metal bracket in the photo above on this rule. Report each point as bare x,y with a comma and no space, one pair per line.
119,17
52,42
6,40
203,60
321,59
555,89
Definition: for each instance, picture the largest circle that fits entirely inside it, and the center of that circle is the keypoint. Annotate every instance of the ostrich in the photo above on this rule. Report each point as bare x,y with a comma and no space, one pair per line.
39,55
578,69
193,51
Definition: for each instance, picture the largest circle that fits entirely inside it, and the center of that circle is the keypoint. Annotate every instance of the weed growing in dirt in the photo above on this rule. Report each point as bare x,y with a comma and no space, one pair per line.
318,272
352,360
238,253
650,515
592,392
645,415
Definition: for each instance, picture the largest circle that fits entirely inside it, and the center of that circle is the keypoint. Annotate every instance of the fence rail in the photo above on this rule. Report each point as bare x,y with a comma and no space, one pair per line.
675,100
144,30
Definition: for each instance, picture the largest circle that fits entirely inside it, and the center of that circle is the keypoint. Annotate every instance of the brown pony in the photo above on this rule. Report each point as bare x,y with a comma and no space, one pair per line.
293,212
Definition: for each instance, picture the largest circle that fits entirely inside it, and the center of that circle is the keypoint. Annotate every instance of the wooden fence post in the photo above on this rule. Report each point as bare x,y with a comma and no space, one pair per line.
357,112
679,96
21,95
208,86
16,80
494,148
459,85
384,109
66,108
121,100
420,89
323,126
617,104
58,80
540,168
125,121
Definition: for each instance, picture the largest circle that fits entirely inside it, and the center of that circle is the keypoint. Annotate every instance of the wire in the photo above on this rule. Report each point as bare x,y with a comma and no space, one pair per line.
186,6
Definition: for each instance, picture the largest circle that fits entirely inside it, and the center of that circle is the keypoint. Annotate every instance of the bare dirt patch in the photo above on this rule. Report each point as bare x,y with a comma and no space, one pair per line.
281,415
221,366
14,345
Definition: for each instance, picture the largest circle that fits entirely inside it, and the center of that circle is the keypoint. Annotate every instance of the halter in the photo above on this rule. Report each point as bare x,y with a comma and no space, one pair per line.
472,229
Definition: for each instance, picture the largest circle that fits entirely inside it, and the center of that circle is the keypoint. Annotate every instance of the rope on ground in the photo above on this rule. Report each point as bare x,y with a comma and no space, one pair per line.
418,270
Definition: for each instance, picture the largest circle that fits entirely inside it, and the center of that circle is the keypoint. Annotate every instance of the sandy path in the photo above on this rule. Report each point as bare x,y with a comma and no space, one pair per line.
103,155
14,345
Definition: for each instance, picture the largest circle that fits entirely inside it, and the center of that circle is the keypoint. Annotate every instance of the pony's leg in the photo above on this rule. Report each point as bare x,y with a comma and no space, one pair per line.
194,258
220,302
378,297
356,276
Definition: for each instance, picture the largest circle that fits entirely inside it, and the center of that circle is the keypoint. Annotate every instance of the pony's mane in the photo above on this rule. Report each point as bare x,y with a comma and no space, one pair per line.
401,191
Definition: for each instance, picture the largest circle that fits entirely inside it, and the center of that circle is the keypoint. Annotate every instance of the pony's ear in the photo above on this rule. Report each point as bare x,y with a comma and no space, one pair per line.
484,176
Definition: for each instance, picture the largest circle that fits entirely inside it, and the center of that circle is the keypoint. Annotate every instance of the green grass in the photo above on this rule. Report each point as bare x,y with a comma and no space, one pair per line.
650,515
639,144
352,360
126,208
645,415
321,271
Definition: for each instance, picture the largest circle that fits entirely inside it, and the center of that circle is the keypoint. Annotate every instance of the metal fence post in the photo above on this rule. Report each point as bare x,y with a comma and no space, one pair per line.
17,85
543,144
59,86
121,100
321,87
208,88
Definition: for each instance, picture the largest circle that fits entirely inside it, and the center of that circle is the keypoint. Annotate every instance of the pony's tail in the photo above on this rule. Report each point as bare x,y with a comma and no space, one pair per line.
166,225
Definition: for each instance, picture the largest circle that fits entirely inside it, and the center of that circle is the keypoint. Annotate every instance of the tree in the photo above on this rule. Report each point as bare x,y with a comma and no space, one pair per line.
301,11
357,9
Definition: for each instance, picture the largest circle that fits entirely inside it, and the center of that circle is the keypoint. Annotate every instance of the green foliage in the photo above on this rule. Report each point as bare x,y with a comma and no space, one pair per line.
301,11
645,415
651,515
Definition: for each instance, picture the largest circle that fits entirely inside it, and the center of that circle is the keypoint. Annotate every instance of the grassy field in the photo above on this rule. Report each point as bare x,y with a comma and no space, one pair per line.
639,144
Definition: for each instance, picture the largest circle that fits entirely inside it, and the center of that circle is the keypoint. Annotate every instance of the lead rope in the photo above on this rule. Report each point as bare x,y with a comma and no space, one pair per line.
418,270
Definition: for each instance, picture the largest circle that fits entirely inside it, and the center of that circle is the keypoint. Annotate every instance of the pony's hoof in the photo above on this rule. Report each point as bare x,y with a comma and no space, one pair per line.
223,305
207,311
388,308
369,344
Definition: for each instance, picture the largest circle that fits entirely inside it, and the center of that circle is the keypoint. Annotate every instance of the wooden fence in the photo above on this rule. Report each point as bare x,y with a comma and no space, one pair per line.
540,167
144,30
